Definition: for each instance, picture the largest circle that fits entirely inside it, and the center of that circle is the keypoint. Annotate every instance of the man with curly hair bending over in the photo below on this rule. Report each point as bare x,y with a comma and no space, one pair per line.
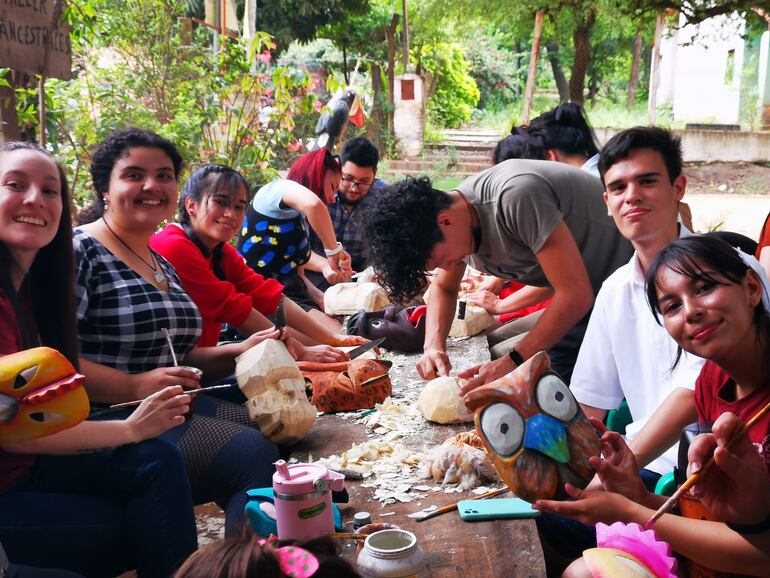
539,223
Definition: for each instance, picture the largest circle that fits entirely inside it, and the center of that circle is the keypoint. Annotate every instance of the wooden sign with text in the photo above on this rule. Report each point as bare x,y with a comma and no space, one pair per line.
33,39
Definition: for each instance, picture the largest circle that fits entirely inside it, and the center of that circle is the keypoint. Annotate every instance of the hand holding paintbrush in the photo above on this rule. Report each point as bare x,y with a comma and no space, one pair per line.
705,469
737,490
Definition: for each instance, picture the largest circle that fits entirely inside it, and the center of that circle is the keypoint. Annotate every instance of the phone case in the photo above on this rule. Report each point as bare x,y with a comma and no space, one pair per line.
499,509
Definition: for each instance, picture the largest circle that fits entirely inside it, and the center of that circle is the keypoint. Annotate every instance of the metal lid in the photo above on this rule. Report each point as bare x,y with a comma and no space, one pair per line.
362,517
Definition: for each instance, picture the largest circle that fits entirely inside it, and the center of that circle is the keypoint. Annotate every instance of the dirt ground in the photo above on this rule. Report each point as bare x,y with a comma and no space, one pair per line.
728,196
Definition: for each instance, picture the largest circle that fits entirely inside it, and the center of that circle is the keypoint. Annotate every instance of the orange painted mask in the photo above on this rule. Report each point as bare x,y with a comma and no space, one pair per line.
534,431
40,394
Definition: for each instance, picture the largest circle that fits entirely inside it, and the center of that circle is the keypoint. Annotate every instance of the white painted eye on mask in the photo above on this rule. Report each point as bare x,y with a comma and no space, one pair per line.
555,399
24,377
503,427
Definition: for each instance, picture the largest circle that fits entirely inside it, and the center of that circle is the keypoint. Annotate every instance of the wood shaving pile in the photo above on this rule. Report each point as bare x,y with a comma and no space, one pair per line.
386,464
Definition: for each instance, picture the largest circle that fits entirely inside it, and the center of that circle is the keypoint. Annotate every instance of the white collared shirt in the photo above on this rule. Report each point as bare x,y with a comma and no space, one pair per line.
627,354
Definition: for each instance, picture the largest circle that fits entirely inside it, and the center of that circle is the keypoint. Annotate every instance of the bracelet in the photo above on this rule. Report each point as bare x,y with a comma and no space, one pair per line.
332,252
758,528
515,357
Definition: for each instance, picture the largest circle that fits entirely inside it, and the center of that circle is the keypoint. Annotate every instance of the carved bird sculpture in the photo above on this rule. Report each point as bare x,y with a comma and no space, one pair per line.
534,431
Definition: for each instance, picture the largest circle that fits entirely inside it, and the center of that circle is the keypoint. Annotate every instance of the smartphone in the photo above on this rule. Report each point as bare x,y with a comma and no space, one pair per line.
498,509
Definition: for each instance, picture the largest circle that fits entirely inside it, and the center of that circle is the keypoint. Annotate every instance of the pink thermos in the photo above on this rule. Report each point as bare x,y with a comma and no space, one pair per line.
303,500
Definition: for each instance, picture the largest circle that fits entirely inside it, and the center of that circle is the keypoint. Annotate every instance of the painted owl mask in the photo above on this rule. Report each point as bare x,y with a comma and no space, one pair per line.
534,431
40,394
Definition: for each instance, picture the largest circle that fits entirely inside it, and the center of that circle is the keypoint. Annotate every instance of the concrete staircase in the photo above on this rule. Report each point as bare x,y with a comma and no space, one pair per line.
460,153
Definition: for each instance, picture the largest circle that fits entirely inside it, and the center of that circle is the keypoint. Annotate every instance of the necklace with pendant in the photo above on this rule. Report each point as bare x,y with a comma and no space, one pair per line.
153,266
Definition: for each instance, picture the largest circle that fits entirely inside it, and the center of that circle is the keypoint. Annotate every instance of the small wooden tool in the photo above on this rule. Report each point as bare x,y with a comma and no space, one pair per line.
450,507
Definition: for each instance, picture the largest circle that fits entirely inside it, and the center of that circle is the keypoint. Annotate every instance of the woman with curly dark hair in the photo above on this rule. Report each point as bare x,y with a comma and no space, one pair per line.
126,294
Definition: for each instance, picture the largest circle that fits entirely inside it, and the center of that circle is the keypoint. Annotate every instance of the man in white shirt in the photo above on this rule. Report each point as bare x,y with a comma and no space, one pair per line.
625,352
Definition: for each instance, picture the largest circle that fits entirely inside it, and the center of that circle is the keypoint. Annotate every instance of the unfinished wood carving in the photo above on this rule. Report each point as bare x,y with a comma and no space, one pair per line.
349,298
440,401
275,392
475,321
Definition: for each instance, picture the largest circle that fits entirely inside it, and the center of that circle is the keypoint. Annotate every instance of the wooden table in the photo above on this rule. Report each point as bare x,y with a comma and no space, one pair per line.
501,548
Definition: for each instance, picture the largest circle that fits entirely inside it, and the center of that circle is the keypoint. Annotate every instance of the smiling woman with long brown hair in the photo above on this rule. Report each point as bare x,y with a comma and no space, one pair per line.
99,513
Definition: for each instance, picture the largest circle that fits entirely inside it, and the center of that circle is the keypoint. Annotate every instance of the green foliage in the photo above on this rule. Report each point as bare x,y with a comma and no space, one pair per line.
452,90
496,69
133,70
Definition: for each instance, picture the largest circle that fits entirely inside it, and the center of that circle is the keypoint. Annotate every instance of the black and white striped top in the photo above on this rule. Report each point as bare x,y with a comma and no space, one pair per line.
120,315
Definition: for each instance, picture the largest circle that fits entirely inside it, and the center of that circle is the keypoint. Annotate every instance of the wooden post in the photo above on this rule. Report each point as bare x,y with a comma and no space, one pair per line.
533,58
391,69
406,37
223,21
41,109
655,70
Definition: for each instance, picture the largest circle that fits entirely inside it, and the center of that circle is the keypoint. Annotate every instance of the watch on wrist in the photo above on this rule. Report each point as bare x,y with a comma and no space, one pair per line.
332,252
516,357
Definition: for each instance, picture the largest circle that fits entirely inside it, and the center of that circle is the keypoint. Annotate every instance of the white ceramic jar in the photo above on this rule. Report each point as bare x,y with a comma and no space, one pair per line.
391,554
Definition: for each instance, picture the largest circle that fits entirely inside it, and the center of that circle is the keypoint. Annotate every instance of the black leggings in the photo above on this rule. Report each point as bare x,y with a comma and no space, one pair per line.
225,456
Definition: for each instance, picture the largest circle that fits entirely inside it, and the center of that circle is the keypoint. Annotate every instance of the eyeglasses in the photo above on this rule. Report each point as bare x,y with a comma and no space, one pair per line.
351,182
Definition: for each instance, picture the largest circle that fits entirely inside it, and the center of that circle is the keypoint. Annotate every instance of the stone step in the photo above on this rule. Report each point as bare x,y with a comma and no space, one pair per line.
433,164
392,176
472,133
463,145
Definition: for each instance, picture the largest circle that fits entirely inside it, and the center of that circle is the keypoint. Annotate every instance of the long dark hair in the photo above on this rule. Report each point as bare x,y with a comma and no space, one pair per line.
113,148
566,129
199,187
696,257
50,282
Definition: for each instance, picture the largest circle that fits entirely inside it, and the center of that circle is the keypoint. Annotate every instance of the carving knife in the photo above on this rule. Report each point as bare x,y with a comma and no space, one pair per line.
280,317
361,349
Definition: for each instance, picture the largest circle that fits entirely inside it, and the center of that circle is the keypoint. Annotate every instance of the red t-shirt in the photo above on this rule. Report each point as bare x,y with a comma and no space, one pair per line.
219,301
510,290
715,394
12,466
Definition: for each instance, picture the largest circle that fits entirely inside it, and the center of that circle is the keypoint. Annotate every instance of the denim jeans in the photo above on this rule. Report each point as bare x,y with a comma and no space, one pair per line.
102,513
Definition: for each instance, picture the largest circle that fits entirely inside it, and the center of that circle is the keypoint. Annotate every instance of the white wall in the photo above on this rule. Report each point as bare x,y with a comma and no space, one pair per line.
694,65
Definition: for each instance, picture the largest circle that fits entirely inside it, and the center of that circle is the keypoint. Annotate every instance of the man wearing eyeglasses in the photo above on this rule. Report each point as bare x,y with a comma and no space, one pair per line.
358,160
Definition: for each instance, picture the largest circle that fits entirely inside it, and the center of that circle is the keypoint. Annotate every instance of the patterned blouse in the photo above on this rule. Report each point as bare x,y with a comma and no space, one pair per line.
120,315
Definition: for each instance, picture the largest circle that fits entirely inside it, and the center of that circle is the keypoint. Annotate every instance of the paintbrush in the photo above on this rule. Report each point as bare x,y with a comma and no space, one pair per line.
696,477
138,402
349,536
170,346
450,507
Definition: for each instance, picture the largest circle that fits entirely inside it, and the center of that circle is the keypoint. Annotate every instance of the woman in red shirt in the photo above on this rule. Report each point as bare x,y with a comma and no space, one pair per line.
224,288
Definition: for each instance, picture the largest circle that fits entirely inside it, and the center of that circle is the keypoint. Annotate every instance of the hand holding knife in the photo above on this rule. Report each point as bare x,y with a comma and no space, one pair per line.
280,317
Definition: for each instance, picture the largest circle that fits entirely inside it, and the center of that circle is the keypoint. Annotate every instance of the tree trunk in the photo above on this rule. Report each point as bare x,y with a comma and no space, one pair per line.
652,99
558,72
633,82
374,126
391,68
582,41
537,35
